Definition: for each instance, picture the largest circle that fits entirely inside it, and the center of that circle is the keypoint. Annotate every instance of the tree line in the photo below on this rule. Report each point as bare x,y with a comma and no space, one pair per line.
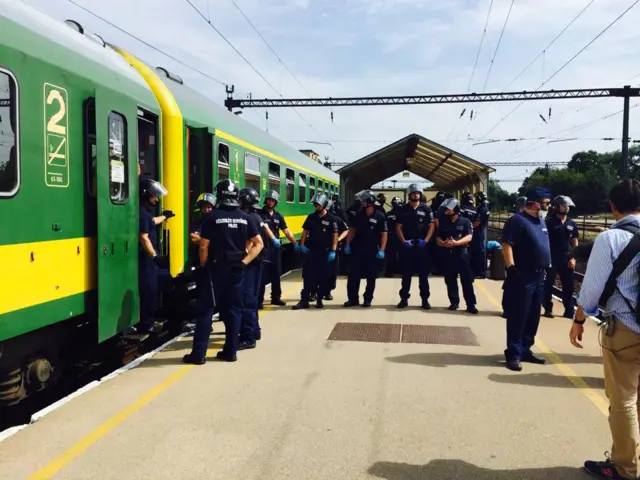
587,179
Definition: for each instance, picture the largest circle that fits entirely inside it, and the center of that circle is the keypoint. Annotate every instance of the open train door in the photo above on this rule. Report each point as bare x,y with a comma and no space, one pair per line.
117,205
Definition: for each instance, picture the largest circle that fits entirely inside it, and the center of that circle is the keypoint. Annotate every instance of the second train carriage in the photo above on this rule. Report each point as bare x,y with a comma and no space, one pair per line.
79,119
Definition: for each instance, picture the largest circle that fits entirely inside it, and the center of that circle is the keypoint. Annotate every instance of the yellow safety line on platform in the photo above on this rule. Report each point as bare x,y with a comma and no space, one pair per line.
600,403
102,430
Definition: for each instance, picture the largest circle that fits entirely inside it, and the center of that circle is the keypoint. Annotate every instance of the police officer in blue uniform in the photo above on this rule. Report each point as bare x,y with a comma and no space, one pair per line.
206,202
393,246
414,229
343,229
366,243
250,326
454,235
153,274
525,245
354,207
563,238
478,250
272,268
319,241
230,242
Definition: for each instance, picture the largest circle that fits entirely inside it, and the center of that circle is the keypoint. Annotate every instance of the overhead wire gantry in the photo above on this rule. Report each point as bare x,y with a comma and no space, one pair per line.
625,92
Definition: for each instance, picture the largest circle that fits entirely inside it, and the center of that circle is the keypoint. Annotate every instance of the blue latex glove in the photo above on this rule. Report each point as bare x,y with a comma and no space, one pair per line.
276,242
421,243
347,249
408,244
332,256
380,255
304,249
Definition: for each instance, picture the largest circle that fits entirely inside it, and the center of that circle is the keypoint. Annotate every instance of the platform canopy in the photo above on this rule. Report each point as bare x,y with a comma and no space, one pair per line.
447,169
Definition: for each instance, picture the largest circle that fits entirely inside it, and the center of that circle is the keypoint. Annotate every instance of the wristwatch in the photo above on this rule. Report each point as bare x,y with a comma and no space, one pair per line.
579,322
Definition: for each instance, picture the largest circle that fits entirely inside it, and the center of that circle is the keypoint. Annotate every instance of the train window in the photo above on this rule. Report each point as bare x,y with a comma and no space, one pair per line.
223,161
90,148
291,186
118,159
9,135
302,188
252,171
274,177
148,143
312,187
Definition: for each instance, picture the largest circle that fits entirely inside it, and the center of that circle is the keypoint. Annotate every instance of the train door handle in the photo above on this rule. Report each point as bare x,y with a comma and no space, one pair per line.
113,249
126,247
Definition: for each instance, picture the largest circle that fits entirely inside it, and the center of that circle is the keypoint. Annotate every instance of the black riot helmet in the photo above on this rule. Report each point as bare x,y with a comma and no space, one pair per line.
357,196
382,199
151,188
451,204
467,198
335,199
368,199
481,198
248,197
413,188
272,195
227,193
563,200
396,202
320,199
209,198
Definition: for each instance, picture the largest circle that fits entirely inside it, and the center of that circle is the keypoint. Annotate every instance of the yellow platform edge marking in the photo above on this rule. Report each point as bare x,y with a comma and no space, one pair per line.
102,430
272,156
41,272
600,403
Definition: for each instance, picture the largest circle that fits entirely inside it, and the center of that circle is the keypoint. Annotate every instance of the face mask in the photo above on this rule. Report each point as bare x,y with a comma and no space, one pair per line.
562,214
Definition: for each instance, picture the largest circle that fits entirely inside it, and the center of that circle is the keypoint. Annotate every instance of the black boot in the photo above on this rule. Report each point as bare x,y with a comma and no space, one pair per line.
302,304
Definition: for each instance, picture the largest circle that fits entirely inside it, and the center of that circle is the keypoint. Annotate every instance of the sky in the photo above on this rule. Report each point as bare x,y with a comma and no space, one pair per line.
325,48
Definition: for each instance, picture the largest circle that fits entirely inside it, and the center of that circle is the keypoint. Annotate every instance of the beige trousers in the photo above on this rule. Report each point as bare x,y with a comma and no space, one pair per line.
621,354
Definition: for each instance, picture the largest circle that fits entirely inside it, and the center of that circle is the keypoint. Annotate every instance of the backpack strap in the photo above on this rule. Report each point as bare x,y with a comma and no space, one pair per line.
621,263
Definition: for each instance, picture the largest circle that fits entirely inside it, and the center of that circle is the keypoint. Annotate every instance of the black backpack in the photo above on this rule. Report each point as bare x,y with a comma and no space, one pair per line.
619,265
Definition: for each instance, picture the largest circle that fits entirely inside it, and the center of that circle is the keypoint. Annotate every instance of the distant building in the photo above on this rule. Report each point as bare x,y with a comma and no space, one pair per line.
312,155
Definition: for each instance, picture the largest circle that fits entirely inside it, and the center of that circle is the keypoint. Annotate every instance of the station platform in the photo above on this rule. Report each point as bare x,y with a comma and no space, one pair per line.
300,406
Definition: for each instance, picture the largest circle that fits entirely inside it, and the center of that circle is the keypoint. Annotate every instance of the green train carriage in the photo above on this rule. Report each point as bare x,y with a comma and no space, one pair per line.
78,118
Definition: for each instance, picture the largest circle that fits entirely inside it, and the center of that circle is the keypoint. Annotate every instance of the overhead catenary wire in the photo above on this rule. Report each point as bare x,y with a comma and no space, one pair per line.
153,47
250,65
567,63
475,65
549,44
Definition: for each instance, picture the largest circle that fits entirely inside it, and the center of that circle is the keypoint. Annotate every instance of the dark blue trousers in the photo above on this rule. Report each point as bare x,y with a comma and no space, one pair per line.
415,260
271,272
363,265
151,281
227,293
478,256
567,280
457,263
250,321
316,274
523,297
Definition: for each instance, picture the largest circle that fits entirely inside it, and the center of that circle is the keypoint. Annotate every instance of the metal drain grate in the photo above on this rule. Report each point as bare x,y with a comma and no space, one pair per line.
440,335
366,332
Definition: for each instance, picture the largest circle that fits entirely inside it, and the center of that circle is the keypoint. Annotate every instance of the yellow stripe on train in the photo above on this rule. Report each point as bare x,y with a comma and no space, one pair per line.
41,272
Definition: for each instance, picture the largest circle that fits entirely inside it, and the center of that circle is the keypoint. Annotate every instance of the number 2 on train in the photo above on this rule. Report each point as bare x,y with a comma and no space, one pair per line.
56,139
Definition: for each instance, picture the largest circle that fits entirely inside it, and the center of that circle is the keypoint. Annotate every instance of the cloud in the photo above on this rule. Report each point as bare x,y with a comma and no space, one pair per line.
396,47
